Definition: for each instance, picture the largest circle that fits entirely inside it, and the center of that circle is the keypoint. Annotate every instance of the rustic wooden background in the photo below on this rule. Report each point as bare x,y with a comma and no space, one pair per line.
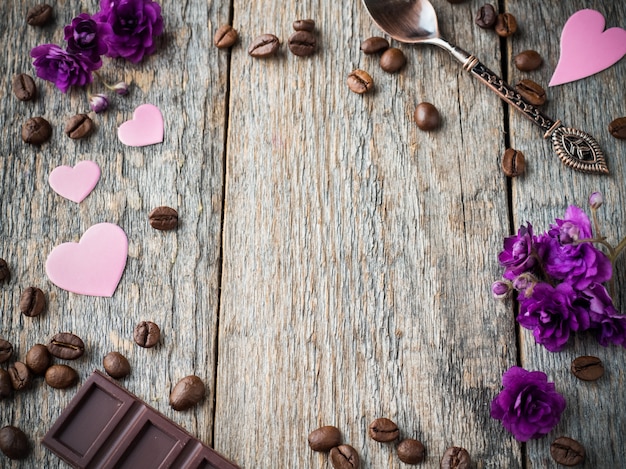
333,263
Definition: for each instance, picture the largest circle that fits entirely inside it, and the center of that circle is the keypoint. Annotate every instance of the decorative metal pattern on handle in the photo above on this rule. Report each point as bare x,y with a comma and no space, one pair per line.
575,148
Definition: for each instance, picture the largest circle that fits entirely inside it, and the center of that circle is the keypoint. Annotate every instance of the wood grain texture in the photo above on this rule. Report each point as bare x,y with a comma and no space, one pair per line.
333,263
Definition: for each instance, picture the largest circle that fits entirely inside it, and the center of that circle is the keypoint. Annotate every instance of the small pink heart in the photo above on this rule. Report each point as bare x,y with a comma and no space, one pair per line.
586,48
145,128
75,183
94,265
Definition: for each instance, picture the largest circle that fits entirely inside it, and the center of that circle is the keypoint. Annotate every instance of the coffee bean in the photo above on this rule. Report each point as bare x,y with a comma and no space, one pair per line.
38,359
66,346
304,25
226,36
411,451
513,162
344,457
392,60
456,458
116,365
587,368
24,87
6,387
14,442
383,430
374,45
302,43
39,15
265,45
147,334
486,16
532,92
426,116
617,128
36,131
187,393
79,126
163,218
567,451
20,376
528,60
506,25
61,376
32,302
6,350
359,81
324,438
5,273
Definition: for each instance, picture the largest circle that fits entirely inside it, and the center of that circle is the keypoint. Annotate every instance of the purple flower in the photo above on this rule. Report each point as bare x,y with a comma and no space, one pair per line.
86,37
553,313
607,323
528,405
518,255
62,68
98,103
135,24
596,200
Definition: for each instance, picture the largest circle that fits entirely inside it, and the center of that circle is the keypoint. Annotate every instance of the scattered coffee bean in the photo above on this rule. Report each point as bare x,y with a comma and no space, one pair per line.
513,163
36,131
5,273
506,25
324,438
456,458
392,60
426,116
116,365
14,442
265,45
359,81
587,368
147,334
532,92
79,126
383,430
20,376
24,87
344,457
39,15
32,302
38,359
6,350
567,451
411,451
226,36
66,346
6,387
374,45
528,60
302,43
163,218
617,128
187,393
486,16
304,25
61,376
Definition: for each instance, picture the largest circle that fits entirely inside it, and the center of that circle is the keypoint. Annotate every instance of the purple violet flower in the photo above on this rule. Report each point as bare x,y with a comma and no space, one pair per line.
135,24
518,255
60,67
86,37
528,405
607,323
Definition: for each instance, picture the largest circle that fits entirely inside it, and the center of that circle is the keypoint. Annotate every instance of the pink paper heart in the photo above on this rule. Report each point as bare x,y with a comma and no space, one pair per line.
586,48
75,183
94,265
145,128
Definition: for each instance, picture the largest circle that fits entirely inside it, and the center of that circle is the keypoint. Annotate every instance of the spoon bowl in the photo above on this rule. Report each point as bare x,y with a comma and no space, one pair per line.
405,20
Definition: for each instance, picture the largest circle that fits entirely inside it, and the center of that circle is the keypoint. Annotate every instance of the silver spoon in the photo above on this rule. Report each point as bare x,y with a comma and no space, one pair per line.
415,22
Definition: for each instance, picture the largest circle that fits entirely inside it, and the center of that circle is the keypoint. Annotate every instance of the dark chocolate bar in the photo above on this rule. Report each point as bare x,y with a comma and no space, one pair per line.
105,426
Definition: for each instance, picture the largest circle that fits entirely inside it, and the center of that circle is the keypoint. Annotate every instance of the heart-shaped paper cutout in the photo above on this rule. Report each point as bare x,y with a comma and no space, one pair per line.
586,48
145,128
75,183
94,265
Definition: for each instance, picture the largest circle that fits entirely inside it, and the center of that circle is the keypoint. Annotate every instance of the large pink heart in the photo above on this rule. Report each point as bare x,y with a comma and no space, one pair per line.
586,48
145,128
75,183
94,265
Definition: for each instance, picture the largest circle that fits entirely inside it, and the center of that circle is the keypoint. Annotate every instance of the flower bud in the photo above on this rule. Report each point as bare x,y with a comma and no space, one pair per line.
121,88
501,288
596,200
98,103
525,283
